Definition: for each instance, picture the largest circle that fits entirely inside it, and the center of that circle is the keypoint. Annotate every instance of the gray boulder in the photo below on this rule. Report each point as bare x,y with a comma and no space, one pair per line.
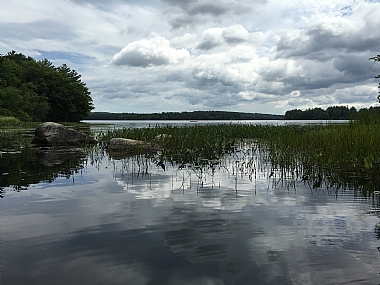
49,134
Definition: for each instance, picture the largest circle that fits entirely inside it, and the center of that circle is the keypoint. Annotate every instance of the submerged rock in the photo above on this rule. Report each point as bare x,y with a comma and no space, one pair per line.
129,144
119,148
49,133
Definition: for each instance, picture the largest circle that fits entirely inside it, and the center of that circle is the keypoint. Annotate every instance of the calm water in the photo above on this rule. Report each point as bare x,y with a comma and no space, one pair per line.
79,218
143,124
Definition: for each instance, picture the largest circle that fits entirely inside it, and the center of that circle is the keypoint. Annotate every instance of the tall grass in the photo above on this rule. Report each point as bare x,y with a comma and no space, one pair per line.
9,121
336,152
333,152
180,145
14,133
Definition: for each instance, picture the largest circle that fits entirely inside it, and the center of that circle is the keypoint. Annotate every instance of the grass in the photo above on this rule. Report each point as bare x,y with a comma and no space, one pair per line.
341,154
338,153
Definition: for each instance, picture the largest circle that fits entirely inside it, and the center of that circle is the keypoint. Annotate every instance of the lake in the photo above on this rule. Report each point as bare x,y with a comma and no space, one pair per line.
89,218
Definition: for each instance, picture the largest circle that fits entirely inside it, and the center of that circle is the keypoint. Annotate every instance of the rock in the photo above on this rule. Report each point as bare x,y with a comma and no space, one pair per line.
49,134
125,144
120,147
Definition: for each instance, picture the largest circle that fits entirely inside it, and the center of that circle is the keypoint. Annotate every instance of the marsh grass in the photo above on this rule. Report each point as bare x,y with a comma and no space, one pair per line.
15,134
336,154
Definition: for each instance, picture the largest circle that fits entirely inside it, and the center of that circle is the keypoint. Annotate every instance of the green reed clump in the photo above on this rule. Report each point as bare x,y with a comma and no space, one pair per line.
9,121
190,144
327,150
315,151
15,134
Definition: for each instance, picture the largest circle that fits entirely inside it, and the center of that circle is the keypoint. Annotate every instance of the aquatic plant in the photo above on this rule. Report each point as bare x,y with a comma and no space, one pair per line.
309,152
341,154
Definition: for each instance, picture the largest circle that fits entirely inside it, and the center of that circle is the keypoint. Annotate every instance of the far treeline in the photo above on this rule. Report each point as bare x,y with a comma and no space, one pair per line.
331,113
196,115
33,90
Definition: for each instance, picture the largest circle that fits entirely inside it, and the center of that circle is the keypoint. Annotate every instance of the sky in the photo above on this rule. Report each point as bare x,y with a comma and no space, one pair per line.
256,56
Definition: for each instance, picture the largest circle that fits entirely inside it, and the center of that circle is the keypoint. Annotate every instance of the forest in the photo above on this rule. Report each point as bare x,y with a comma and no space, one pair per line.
33,90
332,113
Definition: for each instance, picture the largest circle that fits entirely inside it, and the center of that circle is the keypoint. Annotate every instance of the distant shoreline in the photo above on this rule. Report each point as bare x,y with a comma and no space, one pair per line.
188,116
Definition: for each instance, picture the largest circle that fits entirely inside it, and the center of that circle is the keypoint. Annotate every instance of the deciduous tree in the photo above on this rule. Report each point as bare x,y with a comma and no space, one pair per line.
38,91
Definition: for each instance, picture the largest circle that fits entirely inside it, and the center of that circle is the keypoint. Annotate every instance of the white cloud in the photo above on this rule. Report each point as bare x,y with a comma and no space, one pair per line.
230,55
235,34
210,38
152,52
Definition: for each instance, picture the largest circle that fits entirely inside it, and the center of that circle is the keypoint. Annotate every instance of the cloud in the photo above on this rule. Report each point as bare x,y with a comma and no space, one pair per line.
235,34
182,14
181,21
146,53
201,55
210,38
215,37
214,8
355,32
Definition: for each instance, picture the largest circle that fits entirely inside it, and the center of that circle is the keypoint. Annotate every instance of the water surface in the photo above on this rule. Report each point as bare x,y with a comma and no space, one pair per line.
85,218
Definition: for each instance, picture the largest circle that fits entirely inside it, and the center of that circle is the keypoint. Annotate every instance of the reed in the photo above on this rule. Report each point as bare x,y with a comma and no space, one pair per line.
15,134
311,152
339,153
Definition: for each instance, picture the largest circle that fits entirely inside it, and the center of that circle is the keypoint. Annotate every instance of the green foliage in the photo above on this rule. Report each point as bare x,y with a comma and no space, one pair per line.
370,116
332,152
37,91
8,121
331,113
15,134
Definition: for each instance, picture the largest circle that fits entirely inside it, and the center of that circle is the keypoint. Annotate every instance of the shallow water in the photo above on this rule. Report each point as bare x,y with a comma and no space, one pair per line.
91,219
